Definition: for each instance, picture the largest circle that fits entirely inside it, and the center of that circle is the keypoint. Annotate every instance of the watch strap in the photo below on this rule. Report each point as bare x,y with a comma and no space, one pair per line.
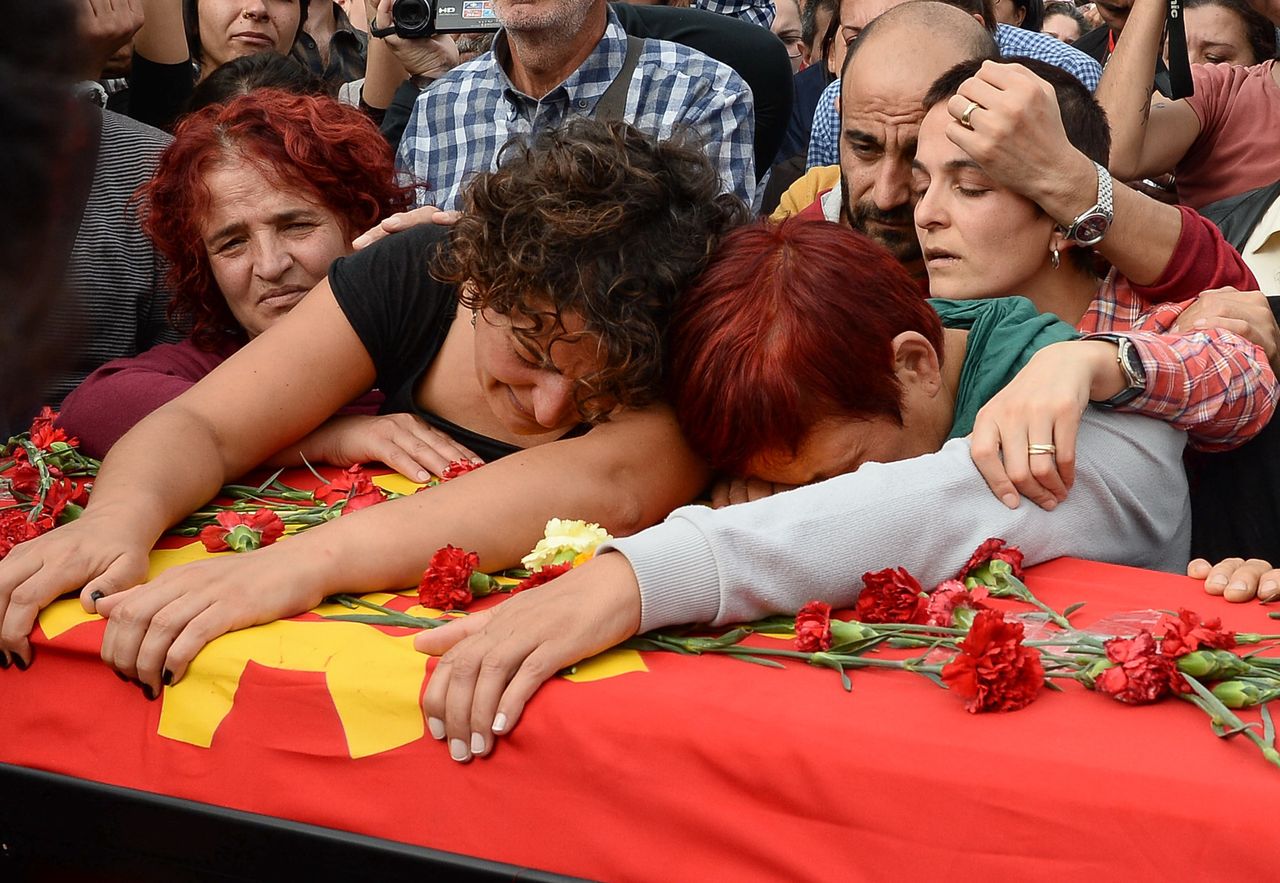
1103,208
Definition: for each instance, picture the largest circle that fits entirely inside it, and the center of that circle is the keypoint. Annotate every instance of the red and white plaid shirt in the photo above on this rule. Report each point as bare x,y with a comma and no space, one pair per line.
1212,383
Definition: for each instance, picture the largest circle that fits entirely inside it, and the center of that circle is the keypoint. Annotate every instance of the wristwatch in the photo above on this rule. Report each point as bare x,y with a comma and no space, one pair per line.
1131,367
1089,227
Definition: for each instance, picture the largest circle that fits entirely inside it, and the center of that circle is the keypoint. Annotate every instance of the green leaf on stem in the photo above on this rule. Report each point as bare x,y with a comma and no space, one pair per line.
1072,608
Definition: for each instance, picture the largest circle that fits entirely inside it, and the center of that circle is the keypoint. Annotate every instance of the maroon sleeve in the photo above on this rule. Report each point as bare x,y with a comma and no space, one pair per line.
113,398
1201,260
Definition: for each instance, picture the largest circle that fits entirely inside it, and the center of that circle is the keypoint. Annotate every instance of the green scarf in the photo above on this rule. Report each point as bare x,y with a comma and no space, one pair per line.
1004,333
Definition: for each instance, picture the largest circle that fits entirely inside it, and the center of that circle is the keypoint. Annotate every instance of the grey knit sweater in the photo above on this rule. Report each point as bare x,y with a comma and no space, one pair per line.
1128,506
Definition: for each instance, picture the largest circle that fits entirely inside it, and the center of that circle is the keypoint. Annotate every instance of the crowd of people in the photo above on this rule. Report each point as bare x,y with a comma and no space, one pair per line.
877,279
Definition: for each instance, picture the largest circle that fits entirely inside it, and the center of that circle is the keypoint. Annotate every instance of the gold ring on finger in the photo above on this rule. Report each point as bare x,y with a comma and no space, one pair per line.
1042,449
968,112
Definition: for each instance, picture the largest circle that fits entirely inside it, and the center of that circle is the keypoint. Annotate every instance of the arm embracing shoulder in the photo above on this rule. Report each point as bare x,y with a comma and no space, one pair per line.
1129,505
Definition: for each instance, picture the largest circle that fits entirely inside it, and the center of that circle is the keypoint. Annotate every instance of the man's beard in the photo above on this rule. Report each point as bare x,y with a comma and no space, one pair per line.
902,243
565,18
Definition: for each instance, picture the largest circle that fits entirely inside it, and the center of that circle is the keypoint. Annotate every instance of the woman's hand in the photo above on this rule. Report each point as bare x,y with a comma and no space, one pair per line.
1042,406
401,441
155,630
1237,579
1246,313
427,214
494,661
93,553
727,491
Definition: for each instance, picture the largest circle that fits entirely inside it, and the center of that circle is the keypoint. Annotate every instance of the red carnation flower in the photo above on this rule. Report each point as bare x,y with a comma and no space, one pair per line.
1141,674
949,596
355,486
242,531
813,627
62,492
459,467
43,433
889,595
446,583
991,550
994,671
16,527
1187,633
23,478
543,575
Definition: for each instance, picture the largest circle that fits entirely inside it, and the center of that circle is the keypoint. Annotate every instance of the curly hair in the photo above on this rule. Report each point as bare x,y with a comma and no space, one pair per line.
594,219
308,143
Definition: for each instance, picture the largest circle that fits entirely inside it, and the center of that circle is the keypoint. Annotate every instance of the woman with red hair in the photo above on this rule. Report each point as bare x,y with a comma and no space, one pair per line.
532,330
804,355
250,204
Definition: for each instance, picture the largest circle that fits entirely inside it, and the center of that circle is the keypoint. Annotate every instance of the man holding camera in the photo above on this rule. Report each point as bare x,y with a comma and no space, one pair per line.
557,59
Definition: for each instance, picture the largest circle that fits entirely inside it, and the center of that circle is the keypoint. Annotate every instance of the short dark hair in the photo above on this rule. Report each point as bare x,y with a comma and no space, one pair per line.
242,75
1032,14
191,24
1071,11
1083,119
596,219
809,18
1258,30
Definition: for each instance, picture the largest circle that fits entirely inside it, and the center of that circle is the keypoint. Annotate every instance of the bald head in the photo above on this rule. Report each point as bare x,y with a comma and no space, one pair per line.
889,69
929,28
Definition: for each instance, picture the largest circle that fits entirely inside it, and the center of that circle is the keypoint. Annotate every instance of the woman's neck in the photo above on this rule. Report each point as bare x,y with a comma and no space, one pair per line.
1066,292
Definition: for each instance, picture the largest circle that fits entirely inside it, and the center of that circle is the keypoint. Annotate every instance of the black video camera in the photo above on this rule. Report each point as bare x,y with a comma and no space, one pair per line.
422,18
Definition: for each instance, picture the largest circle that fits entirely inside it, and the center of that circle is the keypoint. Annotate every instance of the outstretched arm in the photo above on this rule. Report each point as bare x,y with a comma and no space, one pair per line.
272,392
771,556
624,475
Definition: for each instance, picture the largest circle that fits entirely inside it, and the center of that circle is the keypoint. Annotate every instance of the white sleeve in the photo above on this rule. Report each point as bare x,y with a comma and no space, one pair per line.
1128,505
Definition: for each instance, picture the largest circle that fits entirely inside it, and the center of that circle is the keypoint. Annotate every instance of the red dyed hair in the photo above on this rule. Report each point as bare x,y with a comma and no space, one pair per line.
788,325
309,143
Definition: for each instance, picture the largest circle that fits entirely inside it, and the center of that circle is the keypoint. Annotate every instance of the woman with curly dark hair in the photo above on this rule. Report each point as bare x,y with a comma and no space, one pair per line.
250,204
531,332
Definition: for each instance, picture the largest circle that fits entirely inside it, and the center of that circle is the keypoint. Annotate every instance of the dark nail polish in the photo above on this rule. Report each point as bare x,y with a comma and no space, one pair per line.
97,595
167,678
120,676
148,692
19,662
4,660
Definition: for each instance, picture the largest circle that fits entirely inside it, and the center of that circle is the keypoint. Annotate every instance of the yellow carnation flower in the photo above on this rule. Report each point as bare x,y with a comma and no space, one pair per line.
565,541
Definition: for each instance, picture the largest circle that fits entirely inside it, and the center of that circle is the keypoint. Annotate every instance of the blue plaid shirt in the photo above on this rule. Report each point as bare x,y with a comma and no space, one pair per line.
459,125
824,141
758,12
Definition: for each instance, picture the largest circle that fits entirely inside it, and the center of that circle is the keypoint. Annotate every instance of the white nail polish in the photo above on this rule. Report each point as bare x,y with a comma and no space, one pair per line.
500,723
436,726
477,743
458,750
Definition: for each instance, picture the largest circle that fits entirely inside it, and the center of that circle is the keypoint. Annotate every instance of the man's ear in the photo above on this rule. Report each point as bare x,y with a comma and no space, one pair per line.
916,363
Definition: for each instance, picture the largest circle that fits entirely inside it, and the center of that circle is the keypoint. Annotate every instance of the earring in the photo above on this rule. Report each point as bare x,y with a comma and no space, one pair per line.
1054,259
474,313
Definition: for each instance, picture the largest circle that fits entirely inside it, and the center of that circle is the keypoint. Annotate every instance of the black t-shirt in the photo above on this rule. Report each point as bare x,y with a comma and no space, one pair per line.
402,315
